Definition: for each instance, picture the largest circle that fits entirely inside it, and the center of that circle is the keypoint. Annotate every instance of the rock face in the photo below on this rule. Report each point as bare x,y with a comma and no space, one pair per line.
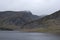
52,21
8,18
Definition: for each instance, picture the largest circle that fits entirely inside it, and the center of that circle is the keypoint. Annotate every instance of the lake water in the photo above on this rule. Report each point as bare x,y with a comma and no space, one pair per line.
13,35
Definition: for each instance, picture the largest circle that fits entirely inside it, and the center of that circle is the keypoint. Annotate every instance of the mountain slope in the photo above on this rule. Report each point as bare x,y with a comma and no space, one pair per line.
50,22
12,19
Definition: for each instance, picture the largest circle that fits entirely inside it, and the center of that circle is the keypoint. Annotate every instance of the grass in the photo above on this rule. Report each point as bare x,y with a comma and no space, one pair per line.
49,30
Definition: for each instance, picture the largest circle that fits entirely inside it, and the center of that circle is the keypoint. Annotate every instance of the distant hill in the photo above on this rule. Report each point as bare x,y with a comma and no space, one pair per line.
49,23
26,21
12,19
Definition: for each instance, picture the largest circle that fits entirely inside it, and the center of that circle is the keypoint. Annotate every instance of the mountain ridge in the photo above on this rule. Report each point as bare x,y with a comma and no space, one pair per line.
24,20
8,18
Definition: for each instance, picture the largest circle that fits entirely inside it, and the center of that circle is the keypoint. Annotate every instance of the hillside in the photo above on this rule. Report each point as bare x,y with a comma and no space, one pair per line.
50,23
26,21
15,19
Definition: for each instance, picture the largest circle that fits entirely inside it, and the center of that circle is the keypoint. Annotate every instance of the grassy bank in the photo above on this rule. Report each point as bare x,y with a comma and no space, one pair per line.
49,30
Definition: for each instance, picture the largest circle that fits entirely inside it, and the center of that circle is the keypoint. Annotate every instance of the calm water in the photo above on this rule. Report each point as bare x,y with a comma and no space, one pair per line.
12,35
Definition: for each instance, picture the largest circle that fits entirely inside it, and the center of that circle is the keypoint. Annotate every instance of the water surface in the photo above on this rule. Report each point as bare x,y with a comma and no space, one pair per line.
15,35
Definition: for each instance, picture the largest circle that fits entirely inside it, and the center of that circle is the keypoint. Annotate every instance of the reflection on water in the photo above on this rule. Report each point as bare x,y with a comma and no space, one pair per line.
12,35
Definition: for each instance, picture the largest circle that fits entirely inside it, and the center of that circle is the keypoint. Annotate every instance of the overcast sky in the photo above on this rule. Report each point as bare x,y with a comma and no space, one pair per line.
37,7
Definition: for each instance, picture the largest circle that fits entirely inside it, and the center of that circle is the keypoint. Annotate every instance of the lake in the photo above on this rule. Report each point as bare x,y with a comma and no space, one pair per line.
16,35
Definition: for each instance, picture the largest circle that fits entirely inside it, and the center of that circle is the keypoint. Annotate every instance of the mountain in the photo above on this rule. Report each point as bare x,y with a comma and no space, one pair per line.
48,23
16,18
26,21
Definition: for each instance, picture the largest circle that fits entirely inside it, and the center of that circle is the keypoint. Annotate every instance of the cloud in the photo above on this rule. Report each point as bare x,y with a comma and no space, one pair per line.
37,7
